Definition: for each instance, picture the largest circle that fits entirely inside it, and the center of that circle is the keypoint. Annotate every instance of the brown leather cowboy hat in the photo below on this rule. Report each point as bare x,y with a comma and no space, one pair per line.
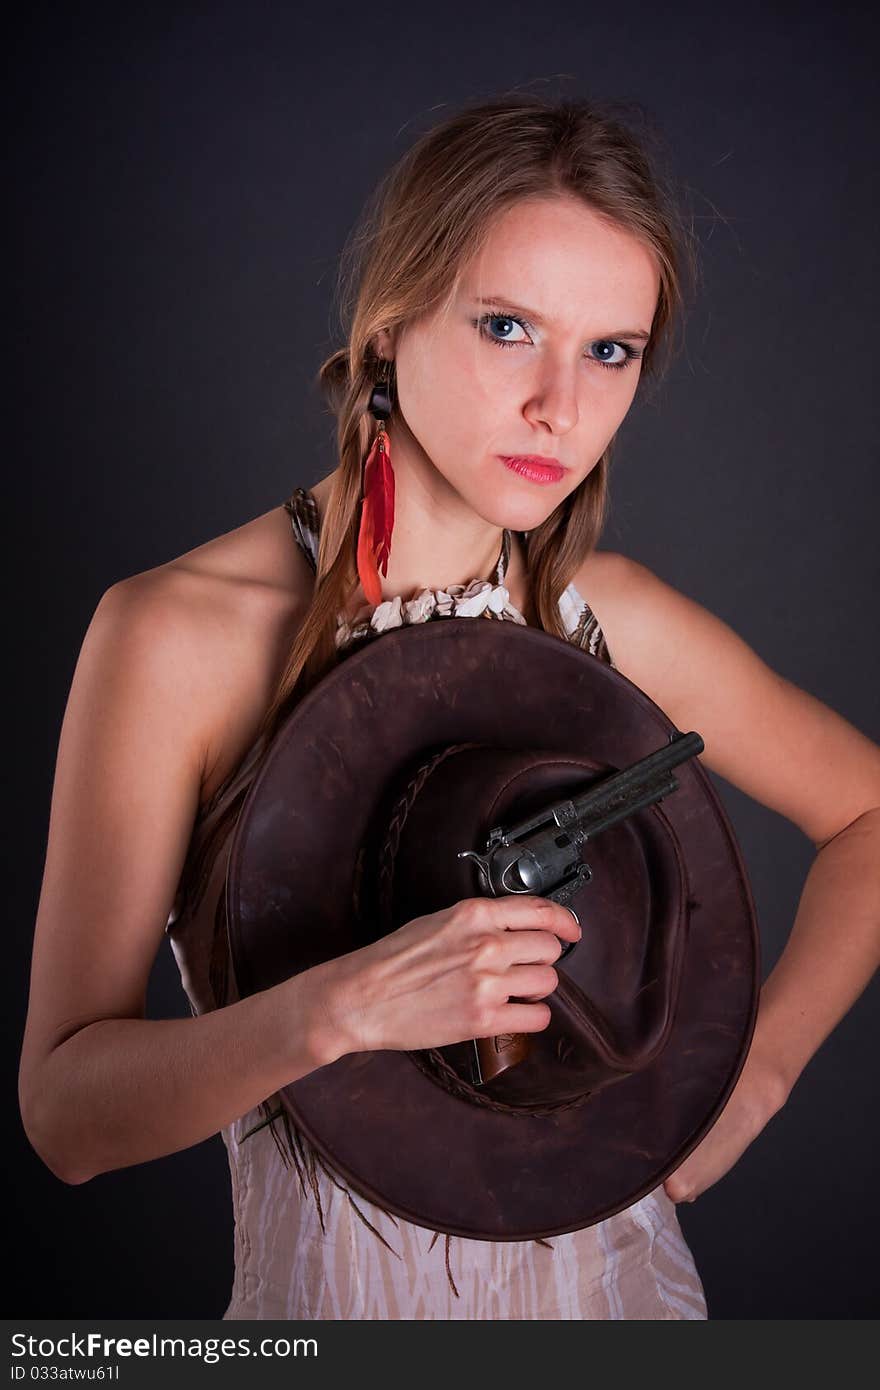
410,752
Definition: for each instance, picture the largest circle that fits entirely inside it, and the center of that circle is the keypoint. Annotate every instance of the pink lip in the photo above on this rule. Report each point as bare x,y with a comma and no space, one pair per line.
537,470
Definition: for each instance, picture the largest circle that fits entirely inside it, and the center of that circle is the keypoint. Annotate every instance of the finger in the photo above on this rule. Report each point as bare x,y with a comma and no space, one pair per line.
530,948
522,1018
530,982
521,911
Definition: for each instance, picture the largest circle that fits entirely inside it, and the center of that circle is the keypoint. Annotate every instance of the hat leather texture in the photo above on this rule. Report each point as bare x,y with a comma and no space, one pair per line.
409,751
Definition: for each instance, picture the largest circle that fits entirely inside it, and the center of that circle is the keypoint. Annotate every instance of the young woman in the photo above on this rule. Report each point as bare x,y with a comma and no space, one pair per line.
519,275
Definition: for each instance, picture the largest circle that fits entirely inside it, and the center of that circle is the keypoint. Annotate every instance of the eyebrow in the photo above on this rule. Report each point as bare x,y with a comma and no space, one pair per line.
539,319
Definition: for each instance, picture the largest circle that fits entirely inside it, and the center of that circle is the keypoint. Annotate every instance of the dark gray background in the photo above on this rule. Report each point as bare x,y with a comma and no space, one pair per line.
182,183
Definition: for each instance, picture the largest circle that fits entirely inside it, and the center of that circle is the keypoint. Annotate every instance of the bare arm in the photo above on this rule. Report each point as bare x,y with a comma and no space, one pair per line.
124,1090
831,954
777,743
100,1086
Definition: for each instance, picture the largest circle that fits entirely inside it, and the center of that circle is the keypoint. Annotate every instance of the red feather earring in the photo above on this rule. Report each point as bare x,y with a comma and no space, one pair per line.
377,506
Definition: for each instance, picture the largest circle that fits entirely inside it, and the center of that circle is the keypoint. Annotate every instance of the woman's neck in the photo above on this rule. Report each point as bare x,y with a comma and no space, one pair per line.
425,554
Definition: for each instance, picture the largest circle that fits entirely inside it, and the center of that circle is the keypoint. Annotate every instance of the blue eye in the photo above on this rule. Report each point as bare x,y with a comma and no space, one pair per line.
606,346
508,319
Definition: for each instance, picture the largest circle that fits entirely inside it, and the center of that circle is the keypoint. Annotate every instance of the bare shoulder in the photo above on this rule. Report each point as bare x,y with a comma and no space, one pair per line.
761,732
633,607
221,618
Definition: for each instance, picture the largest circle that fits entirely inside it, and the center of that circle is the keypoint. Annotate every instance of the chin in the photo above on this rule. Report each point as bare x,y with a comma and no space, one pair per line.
509,503
509,508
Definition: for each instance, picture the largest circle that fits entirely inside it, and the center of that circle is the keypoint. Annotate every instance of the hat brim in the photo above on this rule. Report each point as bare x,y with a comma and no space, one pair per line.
391,1131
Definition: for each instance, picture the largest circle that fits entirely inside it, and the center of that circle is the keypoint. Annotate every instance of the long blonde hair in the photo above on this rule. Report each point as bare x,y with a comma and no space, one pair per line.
428,216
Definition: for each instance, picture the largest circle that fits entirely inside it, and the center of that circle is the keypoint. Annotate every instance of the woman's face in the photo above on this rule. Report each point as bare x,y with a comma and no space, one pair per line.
539,354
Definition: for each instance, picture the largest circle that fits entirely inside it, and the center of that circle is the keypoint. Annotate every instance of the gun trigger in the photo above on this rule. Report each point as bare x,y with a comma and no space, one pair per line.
482,863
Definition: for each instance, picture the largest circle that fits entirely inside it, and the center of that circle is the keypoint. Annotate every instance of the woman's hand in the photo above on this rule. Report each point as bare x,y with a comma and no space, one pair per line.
447,977
755,1099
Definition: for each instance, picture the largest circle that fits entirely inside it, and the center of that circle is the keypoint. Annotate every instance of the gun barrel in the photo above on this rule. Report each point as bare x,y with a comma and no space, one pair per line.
603,803
613,809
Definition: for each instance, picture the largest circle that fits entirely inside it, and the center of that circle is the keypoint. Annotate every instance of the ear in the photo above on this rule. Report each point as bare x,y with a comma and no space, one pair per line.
385,342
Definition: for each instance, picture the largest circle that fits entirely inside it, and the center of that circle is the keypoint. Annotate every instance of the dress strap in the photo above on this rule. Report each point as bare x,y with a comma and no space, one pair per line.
302,509
583,626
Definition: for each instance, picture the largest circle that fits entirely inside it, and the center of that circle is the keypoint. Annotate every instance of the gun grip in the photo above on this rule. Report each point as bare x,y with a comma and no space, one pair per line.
495,1055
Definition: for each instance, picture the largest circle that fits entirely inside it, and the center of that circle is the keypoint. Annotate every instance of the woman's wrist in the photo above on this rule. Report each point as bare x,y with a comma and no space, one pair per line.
765,1078
316,998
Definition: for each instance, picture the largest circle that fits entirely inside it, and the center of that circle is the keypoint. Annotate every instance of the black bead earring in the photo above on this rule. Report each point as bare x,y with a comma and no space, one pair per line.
380,401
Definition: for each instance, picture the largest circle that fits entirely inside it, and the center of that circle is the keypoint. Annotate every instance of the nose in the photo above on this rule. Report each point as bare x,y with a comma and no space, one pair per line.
553,401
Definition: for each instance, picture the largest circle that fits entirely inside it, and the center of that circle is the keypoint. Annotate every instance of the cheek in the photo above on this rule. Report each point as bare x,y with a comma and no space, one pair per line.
435,403
443,384
422,406
617,405
624,385
497,377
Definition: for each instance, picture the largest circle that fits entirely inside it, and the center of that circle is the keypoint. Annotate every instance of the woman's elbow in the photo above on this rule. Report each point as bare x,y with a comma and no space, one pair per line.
43,1139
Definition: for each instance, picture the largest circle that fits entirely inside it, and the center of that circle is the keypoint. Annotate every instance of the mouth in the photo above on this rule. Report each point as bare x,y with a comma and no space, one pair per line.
534,467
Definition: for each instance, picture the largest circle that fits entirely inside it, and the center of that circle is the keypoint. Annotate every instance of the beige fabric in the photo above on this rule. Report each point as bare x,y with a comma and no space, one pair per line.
331,1254
634,1265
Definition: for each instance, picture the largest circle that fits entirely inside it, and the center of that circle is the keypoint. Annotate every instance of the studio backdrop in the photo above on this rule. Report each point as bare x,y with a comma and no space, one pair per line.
183,181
